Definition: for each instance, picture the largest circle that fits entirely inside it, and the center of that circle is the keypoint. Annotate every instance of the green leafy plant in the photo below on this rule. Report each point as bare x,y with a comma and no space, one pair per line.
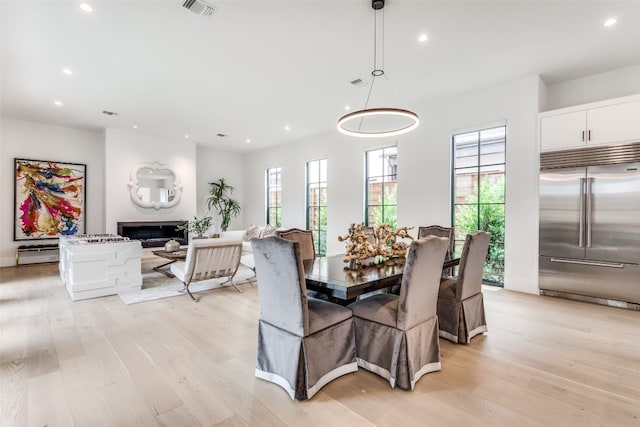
197,226
220,199
488,215
388,212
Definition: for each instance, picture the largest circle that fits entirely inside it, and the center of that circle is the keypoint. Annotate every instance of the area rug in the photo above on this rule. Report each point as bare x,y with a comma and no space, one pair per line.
156,285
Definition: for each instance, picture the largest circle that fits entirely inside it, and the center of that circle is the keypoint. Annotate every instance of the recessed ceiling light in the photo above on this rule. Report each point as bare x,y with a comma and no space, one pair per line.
248,141
186,135
86,7
423,38
67,71
609,22
347,107
135,126
287,127
58,103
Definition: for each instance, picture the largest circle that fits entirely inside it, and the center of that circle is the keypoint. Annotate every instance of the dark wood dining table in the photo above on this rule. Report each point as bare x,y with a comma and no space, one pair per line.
332,277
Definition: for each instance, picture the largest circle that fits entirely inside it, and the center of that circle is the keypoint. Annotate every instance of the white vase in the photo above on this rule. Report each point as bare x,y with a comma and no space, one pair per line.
172,246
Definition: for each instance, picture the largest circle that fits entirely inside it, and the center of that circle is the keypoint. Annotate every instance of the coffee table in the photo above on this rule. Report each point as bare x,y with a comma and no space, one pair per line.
174,256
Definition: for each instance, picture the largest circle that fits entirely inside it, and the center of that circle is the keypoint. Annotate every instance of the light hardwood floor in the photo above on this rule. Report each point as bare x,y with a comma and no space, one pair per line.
172,362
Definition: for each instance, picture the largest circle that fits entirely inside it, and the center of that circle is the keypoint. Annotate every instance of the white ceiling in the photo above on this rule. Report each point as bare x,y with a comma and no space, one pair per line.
255,66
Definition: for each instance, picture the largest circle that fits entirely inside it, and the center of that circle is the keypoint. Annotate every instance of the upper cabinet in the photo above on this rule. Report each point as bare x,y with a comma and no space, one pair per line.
608,122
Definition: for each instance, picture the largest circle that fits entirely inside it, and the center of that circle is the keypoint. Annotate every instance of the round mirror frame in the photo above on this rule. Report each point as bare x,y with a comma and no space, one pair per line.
134,185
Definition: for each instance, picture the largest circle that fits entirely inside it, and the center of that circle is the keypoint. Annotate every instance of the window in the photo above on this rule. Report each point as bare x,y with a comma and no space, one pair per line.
317,204
380,194
478,193
274,197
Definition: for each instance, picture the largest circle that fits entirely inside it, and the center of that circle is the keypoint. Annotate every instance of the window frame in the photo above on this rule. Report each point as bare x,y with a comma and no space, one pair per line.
320,233
384,180
278,189
480,168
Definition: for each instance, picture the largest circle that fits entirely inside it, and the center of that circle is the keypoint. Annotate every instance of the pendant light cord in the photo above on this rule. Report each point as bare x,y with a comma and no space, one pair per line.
376,71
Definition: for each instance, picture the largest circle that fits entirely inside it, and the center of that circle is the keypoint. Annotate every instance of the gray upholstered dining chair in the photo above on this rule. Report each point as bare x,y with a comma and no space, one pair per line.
397,336
208,259
439,231
304,238
460,302
303,343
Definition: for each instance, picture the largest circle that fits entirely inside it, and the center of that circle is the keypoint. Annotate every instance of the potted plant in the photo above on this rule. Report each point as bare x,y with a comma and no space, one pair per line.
220,199
196,226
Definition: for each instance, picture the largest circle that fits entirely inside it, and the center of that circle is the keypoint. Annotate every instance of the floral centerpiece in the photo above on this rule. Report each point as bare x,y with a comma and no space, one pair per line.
374,244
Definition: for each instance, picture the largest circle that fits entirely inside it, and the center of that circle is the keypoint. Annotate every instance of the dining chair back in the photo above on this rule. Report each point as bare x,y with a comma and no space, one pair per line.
303,343
439,231
304,238
460,301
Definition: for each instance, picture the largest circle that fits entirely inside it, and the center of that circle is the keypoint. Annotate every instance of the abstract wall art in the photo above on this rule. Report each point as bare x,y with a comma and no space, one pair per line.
49,199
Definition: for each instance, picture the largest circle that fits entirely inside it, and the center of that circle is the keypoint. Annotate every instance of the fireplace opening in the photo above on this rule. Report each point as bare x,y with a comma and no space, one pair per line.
153,233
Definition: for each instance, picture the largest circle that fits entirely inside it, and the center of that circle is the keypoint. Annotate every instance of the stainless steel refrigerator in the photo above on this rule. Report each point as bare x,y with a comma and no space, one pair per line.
590,225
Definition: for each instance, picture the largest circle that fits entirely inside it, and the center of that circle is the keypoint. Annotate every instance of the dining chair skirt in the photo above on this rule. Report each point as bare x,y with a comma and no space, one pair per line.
303,365
397,335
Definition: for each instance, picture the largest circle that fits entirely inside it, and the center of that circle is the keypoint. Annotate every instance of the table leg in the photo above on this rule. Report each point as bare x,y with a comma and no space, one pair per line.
165,272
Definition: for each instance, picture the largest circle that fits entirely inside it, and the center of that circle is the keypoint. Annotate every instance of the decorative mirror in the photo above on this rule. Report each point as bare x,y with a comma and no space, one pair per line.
154,185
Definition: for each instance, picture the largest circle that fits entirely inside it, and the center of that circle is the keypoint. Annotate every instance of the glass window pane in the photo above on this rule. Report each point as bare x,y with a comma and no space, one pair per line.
323,170
322,198
314,195
375,193
494,267
492,152
374,163
466,220
466,149
491,219
491,187
465,186
313,172
322,220
390,193
375,215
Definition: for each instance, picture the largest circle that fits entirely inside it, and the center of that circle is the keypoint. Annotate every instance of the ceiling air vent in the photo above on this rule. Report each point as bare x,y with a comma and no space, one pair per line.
200,7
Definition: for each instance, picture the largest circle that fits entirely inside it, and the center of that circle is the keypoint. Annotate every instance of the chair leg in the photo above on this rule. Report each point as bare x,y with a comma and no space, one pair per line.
230,279
186,288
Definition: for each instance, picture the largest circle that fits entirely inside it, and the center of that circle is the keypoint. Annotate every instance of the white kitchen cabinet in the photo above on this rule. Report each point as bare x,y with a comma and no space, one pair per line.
563,131
608,122
614,123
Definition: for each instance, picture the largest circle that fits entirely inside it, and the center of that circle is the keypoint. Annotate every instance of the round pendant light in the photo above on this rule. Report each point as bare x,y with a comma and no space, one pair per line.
391,126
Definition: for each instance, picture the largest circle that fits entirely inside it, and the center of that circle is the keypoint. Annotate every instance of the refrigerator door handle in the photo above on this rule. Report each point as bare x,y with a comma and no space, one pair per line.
589,209
581,214
581,262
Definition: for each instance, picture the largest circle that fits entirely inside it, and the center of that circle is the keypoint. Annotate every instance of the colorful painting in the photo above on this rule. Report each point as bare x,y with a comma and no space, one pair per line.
49,199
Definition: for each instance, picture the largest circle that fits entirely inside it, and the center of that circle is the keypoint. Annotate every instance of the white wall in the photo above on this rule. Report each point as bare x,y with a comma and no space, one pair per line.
213,164
126,149
37,141
423,172
599,87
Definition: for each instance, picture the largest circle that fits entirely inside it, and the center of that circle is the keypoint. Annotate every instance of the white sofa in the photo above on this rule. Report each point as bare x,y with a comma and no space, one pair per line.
241,235
247,253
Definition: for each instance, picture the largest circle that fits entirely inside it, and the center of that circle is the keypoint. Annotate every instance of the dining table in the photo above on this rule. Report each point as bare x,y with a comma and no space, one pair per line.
334,277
